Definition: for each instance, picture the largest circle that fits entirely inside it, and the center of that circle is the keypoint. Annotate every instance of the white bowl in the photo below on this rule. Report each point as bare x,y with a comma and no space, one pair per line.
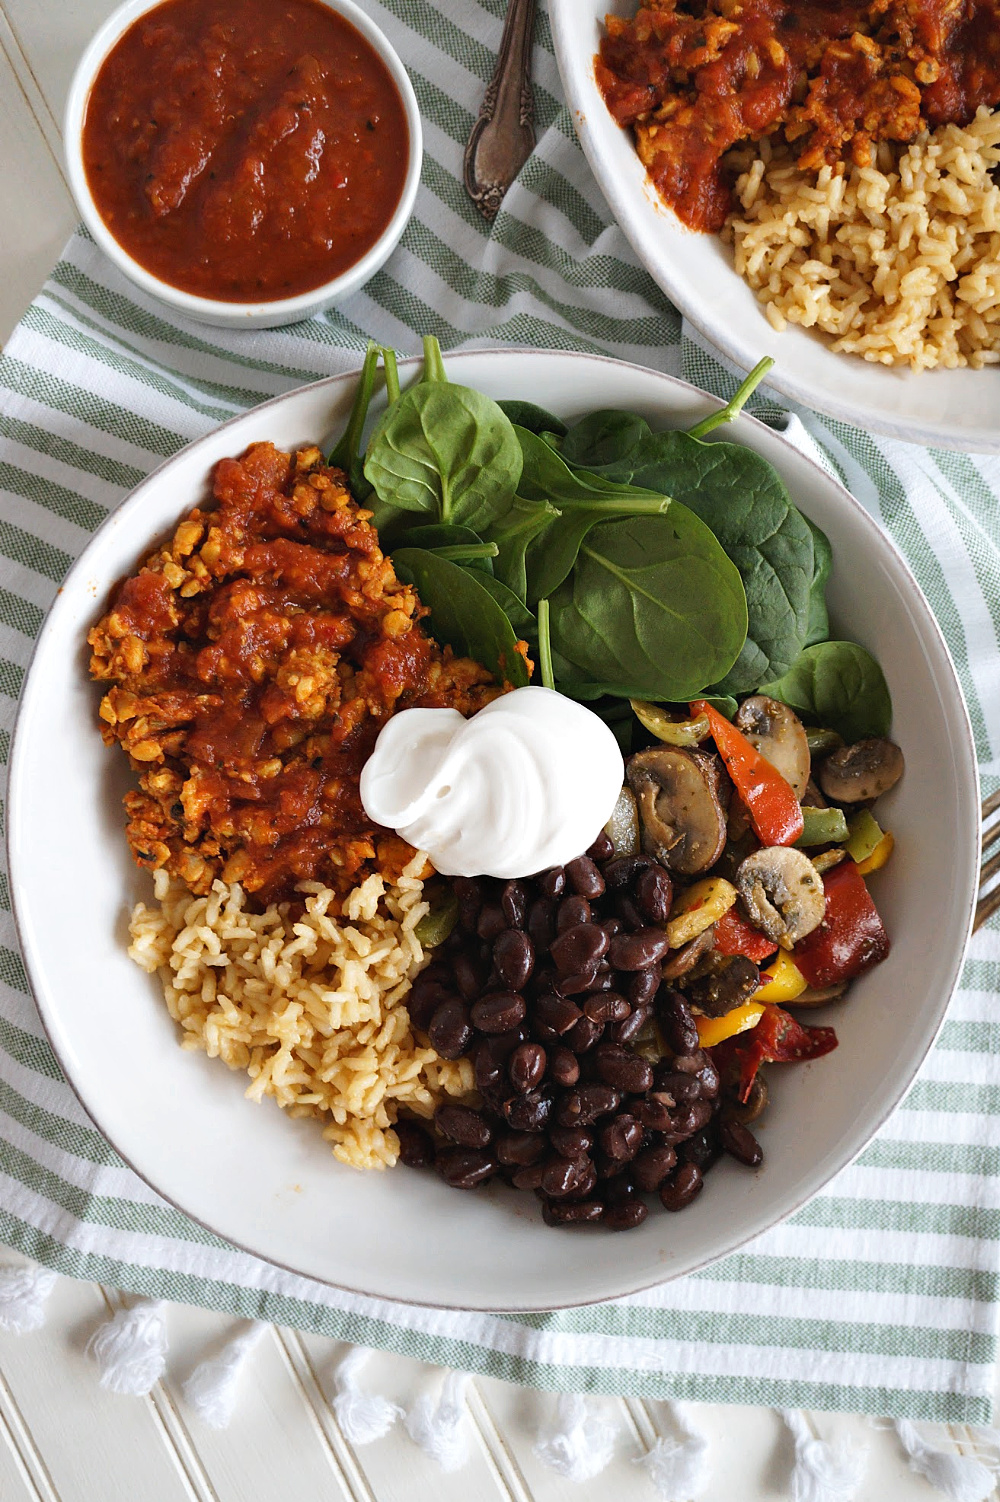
952,408
269,1184
215,311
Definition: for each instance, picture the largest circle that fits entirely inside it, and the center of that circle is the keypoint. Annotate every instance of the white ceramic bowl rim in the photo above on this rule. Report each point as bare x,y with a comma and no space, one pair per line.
844,1150
282,309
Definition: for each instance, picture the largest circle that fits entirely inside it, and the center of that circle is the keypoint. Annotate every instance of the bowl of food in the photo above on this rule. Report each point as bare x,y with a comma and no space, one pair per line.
503,814
246,165
850,235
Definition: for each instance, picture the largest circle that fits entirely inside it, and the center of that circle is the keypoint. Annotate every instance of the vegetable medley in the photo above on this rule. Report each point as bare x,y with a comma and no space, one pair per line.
670,583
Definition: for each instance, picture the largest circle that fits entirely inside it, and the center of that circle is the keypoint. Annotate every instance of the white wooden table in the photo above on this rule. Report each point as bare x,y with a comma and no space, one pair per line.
61,1436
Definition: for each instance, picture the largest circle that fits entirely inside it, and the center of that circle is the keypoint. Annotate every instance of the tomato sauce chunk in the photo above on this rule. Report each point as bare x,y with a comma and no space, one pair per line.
245,150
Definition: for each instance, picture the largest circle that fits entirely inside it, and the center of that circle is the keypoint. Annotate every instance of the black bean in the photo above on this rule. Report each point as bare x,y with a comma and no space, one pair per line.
611,926
580,982
629,914
651,1166
423,1000
623,1068
620,1188
602,849
580,948
585,879
643,986
571,1142
526,1066
654,1114
465,1167
621,1139
573,910
542,923
491,1059
689,1120
520,1148
691,1063
678,1089
740,1143
708,1078
562,1176
703,1149
449,1029
676,1022
557,1013
584,1035
463,1125
626,1216
564,1066
607,1006
583,1106
654,892
621,872
490,922
683,1185
529,1177
498,1012
514,958
586,1184
580,1213
416,1150
529,1113
470,975
469,893
630,1026
552,883
639,950
514,902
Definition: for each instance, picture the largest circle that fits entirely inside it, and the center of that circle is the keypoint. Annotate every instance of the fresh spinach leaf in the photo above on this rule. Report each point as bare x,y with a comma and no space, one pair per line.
444,450
818,628
606,437
347,453
445,539
653,609
520,617
463,613
840,685
513,534
534,418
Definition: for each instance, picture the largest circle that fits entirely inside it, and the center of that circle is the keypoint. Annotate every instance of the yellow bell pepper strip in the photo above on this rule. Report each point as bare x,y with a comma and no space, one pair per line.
777,1039
879,855
782,981
770,800
734,935
851,937
713,1030
698,908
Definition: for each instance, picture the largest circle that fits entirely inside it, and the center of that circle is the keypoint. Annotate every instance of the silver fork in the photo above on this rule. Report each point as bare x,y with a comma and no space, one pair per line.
991,901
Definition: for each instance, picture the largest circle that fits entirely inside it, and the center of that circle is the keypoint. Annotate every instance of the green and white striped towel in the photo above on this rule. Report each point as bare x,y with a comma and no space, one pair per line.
881,1295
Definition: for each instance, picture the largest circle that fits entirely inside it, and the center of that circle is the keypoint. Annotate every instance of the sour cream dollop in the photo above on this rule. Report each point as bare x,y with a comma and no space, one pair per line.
527,783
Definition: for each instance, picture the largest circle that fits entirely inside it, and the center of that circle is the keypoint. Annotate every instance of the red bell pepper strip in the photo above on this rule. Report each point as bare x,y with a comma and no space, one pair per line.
851,937
770,800
777,1039
734,935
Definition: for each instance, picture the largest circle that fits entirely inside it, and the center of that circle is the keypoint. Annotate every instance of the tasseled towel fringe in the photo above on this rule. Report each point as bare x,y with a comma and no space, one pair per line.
679,1468
578,1443
24,1292
962,1478
823,1471
212,1387
131,1348
441,1429
363,1417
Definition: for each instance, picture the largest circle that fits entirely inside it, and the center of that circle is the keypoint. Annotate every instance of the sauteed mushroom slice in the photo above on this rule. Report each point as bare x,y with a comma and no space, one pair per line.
779,735
684,960
722,982
683,823
783,893
857,773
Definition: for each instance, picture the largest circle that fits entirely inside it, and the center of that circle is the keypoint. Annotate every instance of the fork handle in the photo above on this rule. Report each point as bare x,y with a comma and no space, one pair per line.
503,136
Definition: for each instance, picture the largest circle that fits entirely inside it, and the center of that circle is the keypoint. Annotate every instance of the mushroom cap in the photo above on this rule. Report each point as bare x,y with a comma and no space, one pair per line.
682,818
779,735
722,982
857,773
783,893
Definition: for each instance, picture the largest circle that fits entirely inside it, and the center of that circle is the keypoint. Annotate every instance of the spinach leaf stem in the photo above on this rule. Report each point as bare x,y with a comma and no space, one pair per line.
545,646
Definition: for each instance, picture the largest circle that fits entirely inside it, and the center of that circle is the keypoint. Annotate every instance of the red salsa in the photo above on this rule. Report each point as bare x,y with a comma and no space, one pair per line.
247,150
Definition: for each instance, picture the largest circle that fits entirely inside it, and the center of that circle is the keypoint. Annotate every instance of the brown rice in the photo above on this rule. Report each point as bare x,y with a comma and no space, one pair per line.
313,1008
899,261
